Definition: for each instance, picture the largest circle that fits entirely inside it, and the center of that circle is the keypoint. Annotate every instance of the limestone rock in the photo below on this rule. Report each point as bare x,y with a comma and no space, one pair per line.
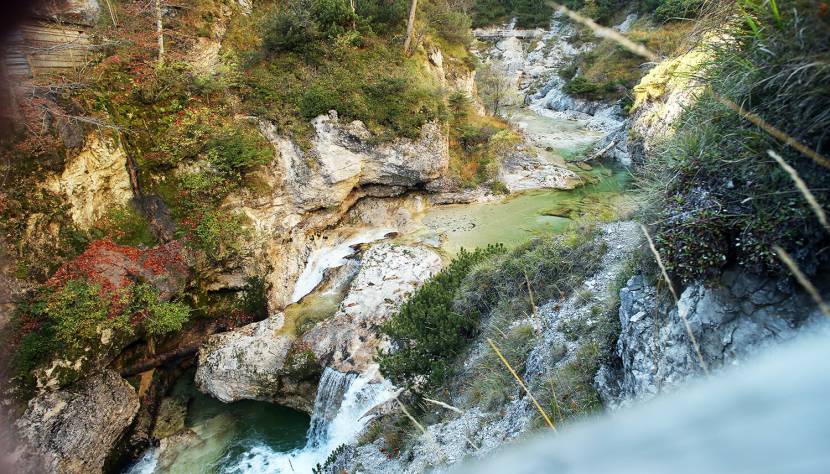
730,321
256,363
388,274
72,430
95,180
520,171
342,158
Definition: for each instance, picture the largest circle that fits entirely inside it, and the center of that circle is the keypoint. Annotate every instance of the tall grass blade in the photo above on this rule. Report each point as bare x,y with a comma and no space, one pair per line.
681,313
522,384
802,186
802,279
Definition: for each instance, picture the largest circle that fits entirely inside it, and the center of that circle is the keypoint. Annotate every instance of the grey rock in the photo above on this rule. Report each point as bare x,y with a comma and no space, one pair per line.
731,321
73,430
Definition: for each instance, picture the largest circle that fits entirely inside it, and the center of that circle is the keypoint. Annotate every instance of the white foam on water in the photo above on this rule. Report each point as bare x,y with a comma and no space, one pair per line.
326,258
358,395
147,463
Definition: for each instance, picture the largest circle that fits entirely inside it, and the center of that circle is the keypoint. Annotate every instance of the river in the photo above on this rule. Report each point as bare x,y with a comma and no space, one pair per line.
257,437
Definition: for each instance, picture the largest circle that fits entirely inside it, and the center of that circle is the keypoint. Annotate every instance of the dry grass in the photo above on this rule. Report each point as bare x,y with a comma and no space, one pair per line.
522,385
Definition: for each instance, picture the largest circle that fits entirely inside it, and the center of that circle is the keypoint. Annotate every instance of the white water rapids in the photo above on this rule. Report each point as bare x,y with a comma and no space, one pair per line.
340,414
326,258
342,402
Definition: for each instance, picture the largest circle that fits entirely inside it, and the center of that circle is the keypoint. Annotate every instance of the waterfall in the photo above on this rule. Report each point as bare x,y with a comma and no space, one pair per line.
326,258
330,393
339,416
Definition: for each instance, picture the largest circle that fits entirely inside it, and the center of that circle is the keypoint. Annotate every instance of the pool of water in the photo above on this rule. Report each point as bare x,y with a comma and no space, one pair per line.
218,435
518,218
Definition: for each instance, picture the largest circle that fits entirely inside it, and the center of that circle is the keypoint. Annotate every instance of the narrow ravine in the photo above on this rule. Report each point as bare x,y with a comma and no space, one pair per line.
298,444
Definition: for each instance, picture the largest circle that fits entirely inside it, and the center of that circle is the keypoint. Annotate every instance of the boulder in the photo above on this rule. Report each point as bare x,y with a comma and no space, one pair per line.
73,430
342,157
255,362
95,180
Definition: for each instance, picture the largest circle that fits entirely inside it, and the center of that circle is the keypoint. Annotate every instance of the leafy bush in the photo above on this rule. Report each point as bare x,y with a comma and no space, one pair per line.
78,314
429,332
448,22
528,13
220,236
580,86
725,201
236,152
292,28
159,317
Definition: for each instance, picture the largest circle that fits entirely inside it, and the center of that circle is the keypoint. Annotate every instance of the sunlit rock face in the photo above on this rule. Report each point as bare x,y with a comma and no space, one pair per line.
388,274
72,430
308,191
95,180
262,361
256,362
731,321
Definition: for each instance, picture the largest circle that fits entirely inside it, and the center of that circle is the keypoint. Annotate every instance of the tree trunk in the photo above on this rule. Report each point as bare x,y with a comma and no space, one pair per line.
160,32
410,28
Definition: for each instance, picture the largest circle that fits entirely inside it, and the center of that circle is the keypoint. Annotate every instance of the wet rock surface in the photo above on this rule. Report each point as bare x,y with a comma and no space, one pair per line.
73,430
388,274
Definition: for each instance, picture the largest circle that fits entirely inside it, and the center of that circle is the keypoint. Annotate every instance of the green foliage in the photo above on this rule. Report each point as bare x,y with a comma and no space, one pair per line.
235,152
79,314
491,384
220,235
291,29
429,332
447,21
528,13
160,317
552,266
718,199
459,104
125,226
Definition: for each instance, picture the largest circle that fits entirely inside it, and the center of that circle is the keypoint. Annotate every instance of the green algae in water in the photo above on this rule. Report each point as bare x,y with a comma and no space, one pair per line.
521,217
223,432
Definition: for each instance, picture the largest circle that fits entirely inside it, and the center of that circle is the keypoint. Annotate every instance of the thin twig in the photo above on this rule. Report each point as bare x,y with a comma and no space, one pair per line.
522,384
802,186
802,279
420,426
676,300
452,408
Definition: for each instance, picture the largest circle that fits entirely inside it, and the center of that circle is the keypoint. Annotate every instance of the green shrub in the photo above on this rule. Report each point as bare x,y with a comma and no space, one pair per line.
332,16
428,332
78,314
235,152
448,22
160,317
292,28
125,226
719,200
528,13
220,236
580,86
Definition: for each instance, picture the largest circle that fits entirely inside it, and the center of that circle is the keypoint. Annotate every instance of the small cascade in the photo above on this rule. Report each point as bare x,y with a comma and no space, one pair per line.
330,393
326,258
340,408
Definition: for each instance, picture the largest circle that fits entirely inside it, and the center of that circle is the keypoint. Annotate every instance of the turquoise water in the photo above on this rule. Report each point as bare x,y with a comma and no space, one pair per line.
223,432
520,217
